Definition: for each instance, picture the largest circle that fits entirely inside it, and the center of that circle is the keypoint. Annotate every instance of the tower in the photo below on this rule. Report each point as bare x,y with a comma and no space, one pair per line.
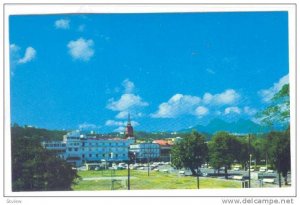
129,129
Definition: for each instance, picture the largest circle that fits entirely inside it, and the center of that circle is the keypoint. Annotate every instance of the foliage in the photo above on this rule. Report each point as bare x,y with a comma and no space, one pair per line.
224,149
38,133
279,151
35,168
191,152
279,110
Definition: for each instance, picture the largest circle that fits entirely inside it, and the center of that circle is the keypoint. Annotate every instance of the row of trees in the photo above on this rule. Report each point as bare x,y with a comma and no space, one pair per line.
225,149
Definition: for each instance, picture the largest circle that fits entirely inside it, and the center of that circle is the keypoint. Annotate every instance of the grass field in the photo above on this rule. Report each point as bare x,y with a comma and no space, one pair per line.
101,180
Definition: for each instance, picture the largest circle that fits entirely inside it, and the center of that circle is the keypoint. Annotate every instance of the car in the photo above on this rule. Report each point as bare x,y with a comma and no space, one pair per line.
204,174
236,169
262,169
270,171
181,172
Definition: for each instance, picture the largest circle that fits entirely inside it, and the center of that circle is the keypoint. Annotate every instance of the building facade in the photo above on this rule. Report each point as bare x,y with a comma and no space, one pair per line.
145,151
78,148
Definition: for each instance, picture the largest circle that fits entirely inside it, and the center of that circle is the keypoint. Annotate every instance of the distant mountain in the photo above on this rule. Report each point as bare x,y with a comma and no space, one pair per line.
240,126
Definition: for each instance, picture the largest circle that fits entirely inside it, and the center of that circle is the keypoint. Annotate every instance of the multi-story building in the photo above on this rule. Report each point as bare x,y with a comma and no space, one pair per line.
78,148
165,149
145,151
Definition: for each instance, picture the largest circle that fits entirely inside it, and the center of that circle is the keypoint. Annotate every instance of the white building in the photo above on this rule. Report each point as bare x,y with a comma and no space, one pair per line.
78,149
145,151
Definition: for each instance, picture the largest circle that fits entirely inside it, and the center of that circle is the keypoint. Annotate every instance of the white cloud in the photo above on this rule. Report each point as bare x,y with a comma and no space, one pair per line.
229,110
201,111
13,48
249,111
120,129
177,105
128,85
113,123
16,58
122,115
268,94
86,125
62,24
227,97
29,55
210,71
81,49
126,102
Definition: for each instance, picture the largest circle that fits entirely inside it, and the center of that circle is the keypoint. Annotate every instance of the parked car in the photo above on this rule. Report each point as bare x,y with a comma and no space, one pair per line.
262,169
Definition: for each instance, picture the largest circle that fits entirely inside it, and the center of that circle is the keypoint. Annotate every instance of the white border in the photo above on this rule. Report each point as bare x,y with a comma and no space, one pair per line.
12,9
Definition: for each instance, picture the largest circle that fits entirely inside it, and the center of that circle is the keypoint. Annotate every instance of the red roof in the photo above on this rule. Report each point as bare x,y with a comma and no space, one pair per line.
163,142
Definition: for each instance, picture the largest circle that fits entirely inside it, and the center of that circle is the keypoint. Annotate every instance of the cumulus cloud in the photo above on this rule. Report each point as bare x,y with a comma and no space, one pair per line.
126,102
227,97
86,125
29,55
81,49
249,111
62,24
128,86
268,94
115,123
229,110
177,105
201,111
16,58
120,129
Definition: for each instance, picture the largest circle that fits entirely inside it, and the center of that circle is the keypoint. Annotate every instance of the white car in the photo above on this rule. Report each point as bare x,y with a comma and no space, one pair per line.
270,171
262,169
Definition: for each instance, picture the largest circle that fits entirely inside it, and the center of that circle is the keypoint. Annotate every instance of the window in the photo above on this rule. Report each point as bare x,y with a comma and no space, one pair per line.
117,155
76,149
90,155
103,155
69,149
83,156
97,155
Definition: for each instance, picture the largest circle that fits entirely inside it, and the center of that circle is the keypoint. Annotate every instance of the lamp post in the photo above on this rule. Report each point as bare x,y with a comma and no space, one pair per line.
128,169
198,186
249,161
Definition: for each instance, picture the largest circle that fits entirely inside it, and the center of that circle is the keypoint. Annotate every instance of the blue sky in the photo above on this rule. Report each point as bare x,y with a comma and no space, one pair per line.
170,71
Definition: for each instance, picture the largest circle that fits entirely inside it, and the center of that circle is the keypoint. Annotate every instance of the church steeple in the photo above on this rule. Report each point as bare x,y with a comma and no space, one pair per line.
128,121
129,129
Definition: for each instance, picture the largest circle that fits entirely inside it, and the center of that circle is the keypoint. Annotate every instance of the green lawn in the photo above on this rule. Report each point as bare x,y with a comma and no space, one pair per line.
140,181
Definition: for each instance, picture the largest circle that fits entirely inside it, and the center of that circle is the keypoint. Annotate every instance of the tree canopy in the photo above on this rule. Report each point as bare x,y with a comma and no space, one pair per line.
35,168
224,149
278,112
191,152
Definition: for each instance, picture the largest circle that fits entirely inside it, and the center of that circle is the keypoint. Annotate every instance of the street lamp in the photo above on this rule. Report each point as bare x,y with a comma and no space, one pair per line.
128,175
198,172
249,152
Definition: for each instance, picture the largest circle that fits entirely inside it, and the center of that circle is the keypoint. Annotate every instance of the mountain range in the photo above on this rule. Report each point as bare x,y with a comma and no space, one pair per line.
240,126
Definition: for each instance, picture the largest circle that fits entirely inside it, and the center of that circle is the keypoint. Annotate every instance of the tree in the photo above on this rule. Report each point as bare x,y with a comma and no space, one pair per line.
279,153
191,152
35,168
223,150
279,109
278,143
